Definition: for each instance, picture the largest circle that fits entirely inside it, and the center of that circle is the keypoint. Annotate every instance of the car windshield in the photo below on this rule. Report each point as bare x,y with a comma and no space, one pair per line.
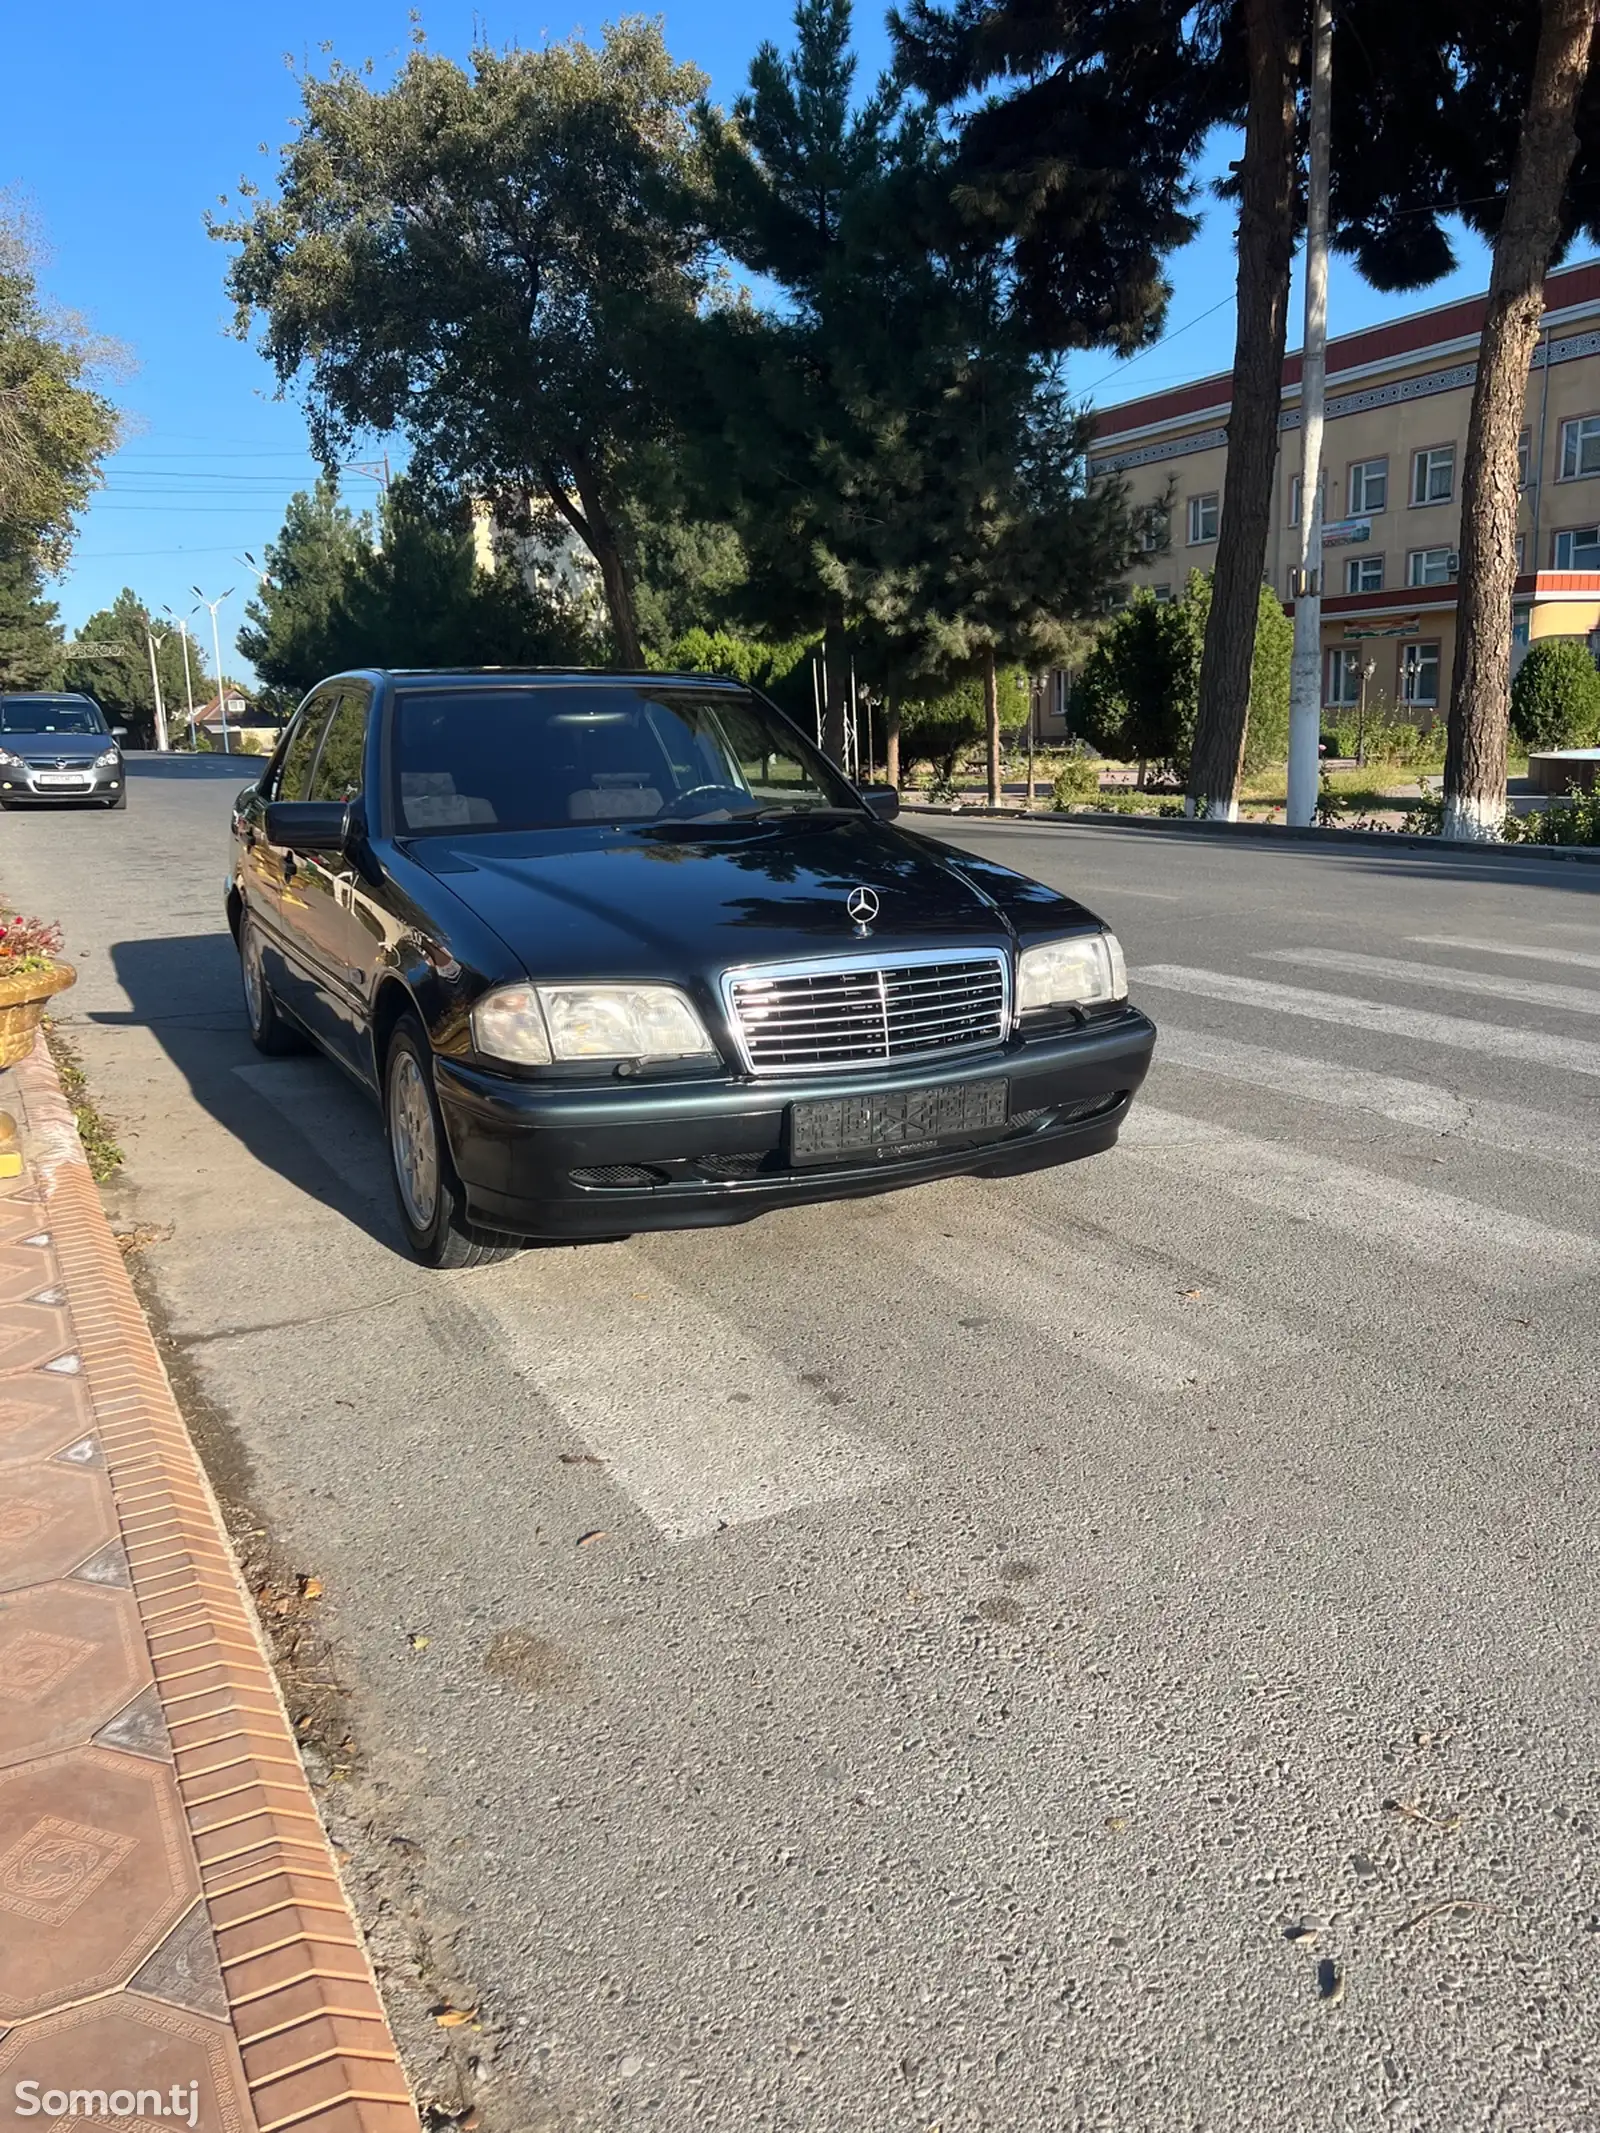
48,714
543,755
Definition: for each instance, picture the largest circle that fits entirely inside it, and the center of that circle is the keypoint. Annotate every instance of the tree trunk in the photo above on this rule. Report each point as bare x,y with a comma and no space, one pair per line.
1266,250
836,696
991,720
593,526
1480,687
891,740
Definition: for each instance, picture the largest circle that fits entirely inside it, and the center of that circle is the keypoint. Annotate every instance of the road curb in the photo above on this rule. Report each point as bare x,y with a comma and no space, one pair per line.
313,2039
1265,832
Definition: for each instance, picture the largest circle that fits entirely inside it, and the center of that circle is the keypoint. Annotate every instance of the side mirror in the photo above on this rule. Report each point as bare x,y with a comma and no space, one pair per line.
880,800
308,825
119,733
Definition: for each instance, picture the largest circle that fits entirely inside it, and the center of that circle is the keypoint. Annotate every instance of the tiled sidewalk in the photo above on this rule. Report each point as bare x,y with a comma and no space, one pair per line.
172,1927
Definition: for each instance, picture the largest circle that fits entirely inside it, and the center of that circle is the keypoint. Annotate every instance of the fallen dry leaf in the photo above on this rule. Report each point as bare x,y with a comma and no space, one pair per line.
580,1459
454,2017
310,1586
1189,1295
418,1642
1413,1811
584,1539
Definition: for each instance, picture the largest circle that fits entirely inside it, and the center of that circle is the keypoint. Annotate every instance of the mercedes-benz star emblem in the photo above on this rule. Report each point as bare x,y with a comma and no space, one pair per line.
862,905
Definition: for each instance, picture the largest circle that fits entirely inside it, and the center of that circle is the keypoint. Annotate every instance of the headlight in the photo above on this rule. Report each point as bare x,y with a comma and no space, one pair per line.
10,761
536,1024
105,760
1087,971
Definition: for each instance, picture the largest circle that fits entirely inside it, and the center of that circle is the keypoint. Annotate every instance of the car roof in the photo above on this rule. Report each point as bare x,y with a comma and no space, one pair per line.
45,696
589,677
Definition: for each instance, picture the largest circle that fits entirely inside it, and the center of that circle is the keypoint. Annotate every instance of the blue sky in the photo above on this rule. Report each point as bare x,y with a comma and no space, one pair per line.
169,106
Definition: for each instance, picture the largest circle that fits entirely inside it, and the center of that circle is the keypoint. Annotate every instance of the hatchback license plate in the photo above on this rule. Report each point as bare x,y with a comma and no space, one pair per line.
61,777
897,1119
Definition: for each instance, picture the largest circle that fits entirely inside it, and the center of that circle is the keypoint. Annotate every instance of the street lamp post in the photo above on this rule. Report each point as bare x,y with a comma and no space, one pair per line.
188,676
152,645
216,646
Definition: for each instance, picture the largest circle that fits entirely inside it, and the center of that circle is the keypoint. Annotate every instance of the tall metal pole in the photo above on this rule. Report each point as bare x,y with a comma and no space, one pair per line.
155,689
188,682
1305,673
216,646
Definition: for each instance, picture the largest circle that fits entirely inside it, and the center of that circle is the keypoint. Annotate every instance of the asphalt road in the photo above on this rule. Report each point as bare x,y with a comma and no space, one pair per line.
1015,1609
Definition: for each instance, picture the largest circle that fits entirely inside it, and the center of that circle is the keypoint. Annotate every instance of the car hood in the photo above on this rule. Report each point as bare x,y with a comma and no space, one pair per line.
67,747
630,902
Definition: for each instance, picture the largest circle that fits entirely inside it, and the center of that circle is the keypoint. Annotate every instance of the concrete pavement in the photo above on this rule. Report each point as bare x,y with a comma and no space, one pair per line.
1109,1649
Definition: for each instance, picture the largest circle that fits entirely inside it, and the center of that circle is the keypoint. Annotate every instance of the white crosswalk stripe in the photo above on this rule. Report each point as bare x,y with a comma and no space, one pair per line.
1477,1243
1569,1054
1574,957
701,1425
1527,992
1111,1310
1507,1127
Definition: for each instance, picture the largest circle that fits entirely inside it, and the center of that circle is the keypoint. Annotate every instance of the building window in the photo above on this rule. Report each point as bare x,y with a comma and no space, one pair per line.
1364,574
1429,566
1433,474
1156,530
1419,675
1524,445
1578,548
1580,447
1369,487
1205,513
1343,684
1519,627
1117,599
1163,593
1294,496
1522,553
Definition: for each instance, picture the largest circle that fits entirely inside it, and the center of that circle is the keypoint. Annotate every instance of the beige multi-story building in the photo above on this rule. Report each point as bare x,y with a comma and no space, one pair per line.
1399,396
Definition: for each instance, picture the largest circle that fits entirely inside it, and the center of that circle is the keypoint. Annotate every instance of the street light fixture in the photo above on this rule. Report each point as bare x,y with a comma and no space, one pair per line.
153,643
216,646
182,622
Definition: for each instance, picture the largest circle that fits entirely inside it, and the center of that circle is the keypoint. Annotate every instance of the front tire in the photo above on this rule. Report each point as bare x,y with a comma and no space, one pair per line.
428,1193
270,1032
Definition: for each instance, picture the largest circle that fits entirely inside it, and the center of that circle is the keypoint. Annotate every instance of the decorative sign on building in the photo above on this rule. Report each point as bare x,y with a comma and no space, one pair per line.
1410,627
1342,532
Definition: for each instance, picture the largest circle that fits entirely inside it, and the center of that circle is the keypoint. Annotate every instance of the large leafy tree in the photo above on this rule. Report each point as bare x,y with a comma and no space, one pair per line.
490,260
56,425
1503,103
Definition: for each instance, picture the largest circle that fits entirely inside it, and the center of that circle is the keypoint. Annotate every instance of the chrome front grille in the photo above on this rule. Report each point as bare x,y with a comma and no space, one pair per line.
828,1016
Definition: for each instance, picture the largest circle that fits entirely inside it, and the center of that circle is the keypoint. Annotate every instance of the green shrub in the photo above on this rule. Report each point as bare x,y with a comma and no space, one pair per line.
1076,781
1574,820
1555,698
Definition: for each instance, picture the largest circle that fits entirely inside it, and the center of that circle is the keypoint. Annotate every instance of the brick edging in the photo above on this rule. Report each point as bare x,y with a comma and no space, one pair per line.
313,2036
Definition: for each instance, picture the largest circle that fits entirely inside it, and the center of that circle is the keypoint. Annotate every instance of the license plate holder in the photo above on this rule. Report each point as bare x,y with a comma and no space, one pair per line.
893,1121
71,780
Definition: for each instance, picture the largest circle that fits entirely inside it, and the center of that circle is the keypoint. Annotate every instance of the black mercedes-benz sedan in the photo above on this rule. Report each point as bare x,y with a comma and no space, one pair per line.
625,951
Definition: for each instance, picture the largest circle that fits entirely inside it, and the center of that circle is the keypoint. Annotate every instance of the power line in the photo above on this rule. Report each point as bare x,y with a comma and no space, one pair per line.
1128,363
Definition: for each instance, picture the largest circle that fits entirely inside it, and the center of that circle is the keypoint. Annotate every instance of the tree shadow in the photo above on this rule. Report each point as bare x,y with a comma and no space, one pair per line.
300,1116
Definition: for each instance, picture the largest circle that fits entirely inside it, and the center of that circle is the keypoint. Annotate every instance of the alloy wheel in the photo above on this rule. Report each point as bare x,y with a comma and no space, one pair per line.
413,1140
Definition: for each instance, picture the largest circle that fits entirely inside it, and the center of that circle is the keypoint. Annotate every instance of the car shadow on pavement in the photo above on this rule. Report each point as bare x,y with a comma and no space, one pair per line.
299,1116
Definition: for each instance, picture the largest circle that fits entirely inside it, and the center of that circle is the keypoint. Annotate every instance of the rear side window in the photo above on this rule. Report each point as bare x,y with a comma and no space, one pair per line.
338,772
299,751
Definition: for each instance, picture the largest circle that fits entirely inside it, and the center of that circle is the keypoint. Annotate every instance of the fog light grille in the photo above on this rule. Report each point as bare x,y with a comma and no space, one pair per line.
619,1174
731,1166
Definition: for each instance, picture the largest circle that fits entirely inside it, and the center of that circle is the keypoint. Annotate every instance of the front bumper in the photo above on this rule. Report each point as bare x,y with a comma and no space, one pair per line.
534,1155
90,781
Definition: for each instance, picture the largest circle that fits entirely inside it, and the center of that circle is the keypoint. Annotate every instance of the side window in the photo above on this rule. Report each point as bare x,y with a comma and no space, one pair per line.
338,772
294,765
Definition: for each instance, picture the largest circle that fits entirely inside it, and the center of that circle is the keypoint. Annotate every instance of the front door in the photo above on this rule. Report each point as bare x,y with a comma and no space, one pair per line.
332,934
266,871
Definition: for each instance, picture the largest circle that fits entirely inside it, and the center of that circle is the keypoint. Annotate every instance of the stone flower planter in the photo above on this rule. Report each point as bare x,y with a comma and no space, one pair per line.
23,997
